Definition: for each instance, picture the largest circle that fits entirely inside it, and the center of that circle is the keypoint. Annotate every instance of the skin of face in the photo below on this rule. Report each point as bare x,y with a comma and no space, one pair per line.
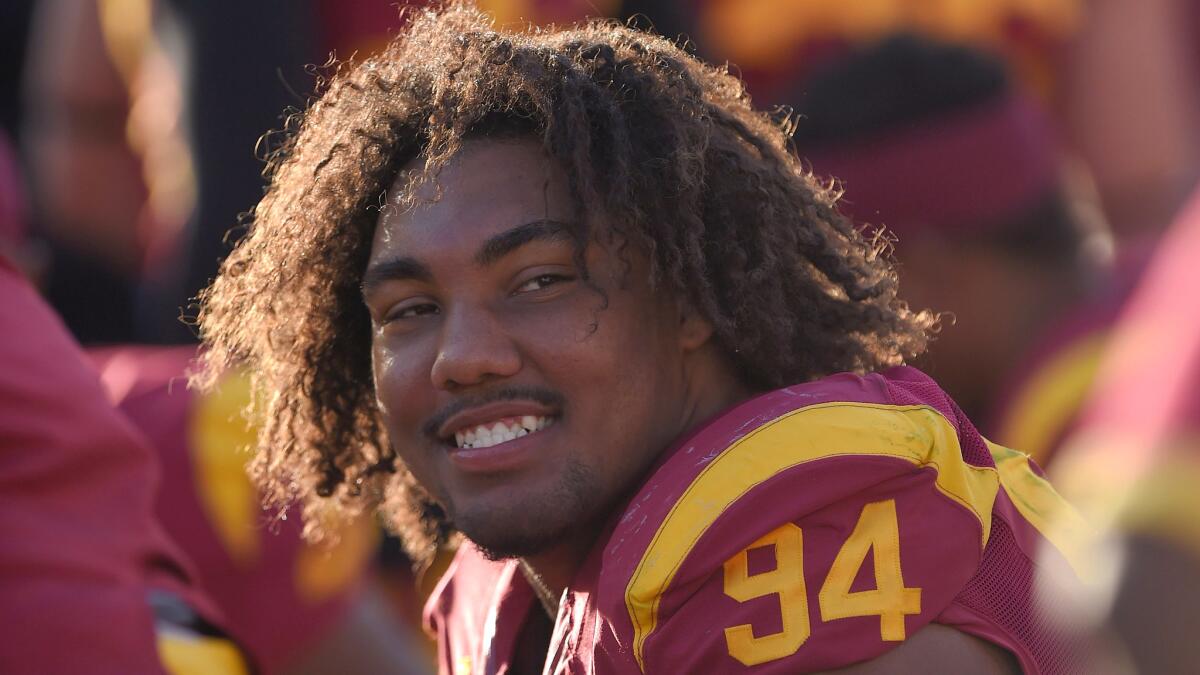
481,313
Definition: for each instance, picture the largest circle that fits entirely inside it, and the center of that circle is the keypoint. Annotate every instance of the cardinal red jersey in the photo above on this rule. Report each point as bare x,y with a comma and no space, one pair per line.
81,553
280,595
810,528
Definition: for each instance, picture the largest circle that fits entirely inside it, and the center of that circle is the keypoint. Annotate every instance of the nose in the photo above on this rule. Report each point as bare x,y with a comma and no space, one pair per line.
474,349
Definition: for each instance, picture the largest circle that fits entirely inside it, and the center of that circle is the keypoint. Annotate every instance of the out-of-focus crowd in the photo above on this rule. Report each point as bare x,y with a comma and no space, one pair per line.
1031,163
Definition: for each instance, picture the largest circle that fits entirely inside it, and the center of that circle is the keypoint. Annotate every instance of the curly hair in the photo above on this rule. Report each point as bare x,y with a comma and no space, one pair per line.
666,148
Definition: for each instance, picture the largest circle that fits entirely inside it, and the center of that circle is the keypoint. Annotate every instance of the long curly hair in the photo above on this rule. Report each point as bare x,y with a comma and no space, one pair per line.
666,148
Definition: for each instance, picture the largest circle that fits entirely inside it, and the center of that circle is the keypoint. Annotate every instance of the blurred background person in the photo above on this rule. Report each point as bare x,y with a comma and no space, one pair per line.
139,128
84,178
296,607
140,121
1121,77
934,142
88,580
1133,465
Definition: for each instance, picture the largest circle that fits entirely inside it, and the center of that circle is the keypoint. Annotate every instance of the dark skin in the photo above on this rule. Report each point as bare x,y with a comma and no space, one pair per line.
482,314
477,296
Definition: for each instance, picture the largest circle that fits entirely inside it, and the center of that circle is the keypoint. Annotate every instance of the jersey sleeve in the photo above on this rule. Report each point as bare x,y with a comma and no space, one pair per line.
823,538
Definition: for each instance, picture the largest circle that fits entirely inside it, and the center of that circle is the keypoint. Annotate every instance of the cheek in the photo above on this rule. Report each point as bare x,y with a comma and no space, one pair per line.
590,347
403,390
406,405
616,377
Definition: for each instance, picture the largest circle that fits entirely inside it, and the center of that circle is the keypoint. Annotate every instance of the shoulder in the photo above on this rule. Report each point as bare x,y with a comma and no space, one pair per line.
801,449
777,513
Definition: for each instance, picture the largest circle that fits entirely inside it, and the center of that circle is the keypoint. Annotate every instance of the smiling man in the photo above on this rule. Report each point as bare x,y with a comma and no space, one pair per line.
567,294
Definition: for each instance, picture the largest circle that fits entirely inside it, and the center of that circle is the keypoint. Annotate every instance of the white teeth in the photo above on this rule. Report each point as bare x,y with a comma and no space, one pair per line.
485,436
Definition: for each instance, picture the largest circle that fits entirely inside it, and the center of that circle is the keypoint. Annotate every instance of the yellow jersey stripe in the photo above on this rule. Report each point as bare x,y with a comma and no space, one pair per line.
916,433
1040,504
188,654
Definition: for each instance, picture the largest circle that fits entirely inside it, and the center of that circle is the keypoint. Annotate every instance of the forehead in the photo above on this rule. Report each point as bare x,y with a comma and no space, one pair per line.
490,186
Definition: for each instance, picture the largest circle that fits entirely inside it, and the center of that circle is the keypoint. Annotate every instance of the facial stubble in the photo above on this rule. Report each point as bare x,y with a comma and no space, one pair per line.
530,526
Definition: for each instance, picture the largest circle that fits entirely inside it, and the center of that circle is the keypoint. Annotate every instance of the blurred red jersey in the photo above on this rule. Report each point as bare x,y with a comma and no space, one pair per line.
280,595
807,529
82,555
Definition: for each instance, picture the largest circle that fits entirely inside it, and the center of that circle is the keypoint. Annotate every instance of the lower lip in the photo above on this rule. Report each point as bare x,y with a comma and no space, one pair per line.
501,457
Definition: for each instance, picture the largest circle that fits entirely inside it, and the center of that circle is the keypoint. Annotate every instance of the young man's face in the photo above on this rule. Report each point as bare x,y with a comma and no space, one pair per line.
526,399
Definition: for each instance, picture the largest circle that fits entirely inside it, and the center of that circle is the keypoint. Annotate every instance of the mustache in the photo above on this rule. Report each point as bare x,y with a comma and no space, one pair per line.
542,395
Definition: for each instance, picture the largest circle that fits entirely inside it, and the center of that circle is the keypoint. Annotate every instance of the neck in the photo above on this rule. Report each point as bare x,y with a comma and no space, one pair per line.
550,571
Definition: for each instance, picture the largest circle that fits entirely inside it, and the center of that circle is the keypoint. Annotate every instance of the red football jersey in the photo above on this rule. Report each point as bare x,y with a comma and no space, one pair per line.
807,529
279,595
81,550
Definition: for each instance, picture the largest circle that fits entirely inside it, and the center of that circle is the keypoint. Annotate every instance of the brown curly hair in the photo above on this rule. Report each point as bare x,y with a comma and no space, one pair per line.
666,148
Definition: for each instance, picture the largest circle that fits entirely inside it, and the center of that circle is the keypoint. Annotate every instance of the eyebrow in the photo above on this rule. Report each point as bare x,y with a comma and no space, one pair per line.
408,268
395,269
508,241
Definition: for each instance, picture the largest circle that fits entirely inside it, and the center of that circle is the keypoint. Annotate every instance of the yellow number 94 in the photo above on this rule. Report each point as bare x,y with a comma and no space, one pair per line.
877,530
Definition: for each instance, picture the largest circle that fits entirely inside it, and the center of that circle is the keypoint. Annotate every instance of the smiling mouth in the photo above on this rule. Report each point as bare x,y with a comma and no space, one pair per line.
501,431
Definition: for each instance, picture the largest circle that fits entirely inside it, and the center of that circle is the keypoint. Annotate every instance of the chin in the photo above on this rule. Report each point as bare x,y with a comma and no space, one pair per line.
514,547
534,522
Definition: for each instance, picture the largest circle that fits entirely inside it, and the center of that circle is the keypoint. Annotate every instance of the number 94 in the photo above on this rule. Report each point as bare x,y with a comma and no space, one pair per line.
877,529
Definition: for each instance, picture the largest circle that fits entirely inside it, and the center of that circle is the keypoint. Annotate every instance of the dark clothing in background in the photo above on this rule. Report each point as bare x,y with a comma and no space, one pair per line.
247,62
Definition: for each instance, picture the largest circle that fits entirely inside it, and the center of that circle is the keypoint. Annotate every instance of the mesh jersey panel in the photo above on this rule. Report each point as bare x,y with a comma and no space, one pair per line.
1003,591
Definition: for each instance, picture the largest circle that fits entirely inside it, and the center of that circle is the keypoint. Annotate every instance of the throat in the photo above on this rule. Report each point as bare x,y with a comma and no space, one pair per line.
551,571
546,597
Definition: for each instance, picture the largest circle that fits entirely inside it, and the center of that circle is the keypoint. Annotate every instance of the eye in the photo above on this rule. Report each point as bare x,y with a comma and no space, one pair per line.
412,311
541,281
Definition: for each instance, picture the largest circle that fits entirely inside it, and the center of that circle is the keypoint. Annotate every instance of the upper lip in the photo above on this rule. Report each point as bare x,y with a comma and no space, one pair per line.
490,412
